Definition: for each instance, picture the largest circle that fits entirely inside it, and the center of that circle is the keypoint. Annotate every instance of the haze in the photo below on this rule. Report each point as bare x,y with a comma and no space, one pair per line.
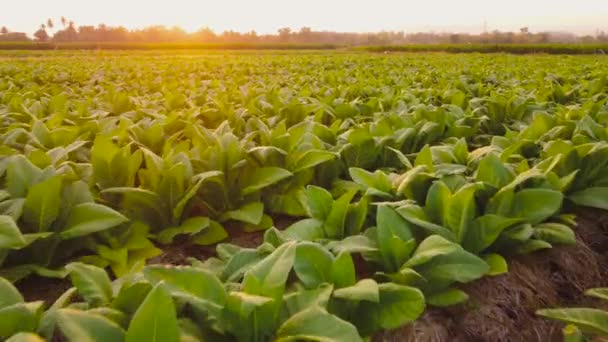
266,16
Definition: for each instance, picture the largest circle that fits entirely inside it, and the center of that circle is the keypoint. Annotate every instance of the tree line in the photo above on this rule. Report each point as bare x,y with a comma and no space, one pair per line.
67,31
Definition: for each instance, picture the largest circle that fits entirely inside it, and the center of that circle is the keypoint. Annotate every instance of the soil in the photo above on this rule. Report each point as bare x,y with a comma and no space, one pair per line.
500,308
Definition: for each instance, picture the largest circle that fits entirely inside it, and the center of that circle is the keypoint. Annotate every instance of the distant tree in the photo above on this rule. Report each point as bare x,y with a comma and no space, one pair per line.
41,34
4,30
64,21
524,30
284,34
49,23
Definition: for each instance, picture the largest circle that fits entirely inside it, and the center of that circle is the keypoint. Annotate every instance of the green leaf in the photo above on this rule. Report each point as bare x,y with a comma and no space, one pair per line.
264,177
20,175
591,197
213,234
318,202
179,208
42,204
398,306
88,218
190,226
249,213
366,289
25,337
554,233
601,293
83,326
311,158
195,285
305,230
155,320
462,210
447,298
498,264
316,324
492,170
297,301
485,230
268,277
9,295
429,248
343,270
92,282
312,264
588,320
10,236
425,158
19,317
377,180
334,223
536,205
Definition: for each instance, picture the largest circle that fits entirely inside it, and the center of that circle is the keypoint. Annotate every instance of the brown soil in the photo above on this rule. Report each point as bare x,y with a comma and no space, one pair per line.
502,308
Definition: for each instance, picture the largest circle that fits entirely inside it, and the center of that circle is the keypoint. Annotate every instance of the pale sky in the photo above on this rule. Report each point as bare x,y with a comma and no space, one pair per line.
266,16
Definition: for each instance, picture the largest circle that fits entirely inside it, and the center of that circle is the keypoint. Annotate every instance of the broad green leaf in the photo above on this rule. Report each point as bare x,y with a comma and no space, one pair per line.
366,289
42,204
318,202
264,177
334,223
297,301
588,320
554,233
212,234
447,298
179,208
155,320
312,264
88,218
485,230
305,230
429,248
25,337
459,266
92,282
9,295
190,226
10,236
601,293
591,197
493,171
20,175
311,158
250,213
194,285
462,211
438,203
83,326
19,317
536,205
268,277
398,306
316,324
343,271
498,264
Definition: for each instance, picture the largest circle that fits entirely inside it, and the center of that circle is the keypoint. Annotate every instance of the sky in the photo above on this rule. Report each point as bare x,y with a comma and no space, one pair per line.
266,16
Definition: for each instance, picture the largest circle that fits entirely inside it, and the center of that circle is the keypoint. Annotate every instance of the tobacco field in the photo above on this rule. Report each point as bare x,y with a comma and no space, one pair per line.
317,196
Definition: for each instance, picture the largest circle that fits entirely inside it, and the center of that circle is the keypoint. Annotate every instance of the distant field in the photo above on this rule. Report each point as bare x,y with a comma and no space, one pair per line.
453,48
332,196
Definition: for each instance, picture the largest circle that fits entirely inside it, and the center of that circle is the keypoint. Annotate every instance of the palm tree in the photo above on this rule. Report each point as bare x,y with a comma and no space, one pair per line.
49,23
4,30
64,21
